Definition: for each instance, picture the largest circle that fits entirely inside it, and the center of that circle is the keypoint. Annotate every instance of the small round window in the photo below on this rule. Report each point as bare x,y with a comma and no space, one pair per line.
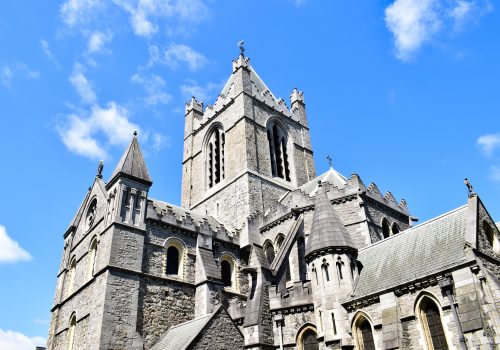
91,214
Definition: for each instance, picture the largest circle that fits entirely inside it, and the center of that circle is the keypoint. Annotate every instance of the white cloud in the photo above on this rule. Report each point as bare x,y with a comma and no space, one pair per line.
488,143
415,22
6,76
154,86
11,251
11,340
97,41
46,50
182,53
203,93
80,134
82,85
74,12
412,22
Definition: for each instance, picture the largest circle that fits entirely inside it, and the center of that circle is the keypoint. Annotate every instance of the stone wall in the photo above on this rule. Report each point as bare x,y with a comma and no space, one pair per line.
162,304
219,334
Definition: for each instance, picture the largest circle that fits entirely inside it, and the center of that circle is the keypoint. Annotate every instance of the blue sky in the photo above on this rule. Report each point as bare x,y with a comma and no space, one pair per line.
403,92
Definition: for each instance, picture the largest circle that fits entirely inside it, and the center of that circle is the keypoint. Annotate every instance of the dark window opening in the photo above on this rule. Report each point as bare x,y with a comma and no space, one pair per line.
269,251
386,231
395,229
226,273
172,261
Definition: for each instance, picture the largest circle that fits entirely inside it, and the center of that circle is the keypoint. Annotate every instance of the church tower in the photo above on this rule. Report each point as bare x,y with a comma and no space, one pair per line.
246,151
331,258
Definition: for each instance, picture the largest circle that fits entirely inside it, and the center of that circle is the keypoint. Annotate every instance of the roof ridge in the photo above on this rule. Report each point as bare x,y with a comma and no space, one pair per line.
414,227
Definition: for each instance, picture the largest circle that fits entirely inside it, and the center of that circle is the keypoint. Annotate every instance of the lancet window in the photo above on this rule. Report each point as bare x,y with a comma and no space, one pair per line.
215,157
278,152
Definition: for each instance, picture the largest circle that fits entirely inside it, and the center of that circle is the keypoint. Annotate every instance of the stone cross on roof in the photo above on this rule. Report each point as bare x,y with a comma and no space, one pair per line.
329,159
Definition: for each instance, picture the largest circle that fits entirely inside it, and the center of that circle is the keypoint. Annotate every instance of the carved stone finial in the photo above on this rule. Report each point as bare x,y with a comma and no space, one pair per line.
99,169
329,161
241,45
469,187
135,133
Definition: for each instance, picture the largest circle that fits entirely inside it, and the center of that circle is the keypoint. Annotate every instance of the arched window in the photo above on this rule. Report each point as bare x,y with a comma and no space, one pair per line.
91,257
91,214
326,273
174,257
226,273
229,275
340,265
279,241
315,273
395,228
306,340
173,260
363,333
215,157
278,152
491,237
71,276
386,230
269,251
71,332
430,319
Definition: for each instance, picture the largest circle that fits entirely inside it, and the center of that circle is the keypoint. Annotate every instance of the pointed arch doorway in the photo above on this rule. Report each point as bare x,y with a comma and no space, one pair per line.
306,339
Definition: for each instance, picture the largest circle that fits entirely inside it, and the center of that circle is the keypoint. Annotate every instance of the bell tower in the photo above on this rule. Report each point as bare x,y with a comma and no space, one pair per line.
246,151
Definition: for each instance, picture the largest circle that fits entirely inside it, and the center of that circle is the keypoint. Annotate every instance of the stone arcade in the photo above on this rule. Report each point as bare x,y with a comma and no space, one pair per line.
265,254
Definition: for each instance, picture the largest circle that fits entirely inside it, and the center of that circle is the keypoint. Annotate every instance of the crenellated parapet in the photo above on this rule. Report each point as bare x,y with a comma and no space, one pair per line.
191,221
388,198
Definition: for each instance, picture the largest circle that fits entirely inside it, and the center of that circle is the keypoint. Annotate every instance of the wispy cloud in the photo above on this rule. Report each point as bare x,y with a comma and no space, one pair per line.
488,143
415,22
201,92
495,173
8,72
11,251
48,53
154,86
145,16
5,76
82,85
177,54
160,141
17,341
80,133
97,41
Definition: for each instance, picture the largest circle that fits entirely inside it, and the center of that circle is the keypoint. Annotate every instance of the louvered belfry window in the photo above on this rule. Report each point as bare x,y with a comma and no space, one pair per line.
216,171
278,152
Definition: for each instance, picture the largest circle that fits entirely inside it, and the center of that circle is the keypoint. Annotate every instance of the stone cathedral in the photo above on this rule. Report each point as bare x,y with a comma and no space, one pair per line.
264,253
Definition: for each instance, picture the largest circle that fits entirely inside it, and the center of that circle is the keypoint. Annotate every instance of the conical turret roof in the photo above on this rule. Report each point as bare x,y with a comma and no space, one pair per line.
132,164
327,229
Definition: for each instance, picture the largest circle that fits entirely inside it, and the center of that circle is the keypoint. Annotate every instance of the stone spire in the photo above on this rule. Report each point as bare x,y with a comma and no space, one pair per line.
327,229
132,165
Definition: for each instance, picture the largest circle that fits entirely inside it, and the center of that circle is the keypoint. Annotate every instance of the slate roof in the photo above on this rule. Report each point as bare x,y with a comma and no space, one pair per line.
179,337
327,229
132,164
423,250
209,265
332,176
